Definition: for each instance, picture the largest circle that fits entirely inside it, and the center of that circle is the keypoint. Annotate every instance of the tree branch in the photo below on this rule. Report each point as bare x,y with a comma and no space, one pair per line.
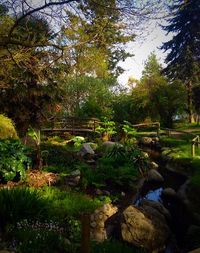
46,5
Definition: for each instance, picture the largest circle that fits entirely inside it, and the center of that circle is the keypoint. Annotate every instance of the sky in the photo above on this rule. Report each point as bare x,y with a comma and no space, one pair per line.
141,48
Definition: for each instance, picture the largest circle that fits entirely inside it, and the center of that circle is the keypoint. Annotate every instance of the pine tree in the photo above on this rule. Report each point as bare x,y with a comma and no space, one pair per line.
183,59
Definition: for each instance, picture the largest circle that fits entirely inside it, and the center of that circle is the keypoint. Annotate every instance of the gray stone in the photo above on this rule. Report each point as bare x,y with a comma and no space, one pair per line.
86,150
99,192
110,144
157,206
75,173
153,165
154,176
169,193
144,230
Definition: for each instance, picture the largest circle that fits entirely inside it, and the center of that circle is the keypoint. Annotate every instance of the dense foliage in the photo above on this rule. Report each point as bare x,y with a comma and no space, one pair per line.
13,160
184,50
7,128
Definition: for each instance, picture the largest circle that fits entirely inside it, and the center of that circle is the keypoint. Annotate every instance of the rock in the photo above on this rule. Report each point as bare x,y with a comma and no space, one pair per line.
107,193
123,194
156,139
145,154
154,176
158,206
137,228
195,251
169,193
91,162
75,173
110,144
146,141
182,192
67,241
99,192
98,219
5,251
86,150
153,165
74,178
192,238
73,181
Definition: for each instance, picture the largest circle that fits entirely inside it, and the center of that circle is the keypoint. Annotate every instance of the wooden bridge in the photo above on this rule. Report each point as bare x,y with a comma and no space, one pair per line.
72,125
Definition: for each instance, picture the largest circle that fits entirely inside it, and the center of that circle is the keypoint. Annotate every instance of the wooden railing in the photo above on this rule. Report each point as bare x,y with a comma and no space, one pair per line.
73,125
195,143
152,124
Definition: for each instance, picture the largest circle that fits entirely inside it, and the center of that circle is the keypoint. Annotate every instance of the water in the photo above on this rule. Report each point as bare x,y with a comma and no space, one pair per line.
154,195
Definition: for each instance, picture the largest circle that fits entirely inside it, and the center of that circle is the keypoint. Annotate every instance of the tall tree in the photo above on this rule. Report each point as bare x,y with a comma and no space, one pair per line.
183,59
26,84
155,96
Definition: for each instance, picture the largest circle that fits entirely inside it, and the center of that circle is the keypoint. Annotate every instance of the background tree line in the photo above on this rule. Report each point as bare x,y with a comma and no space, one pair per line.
61,58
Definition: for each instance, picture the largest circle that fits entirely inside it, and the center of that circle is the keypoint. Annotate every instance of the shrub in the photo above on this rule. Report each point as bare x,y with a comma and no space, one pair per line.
59,156
107,129
13,159
7,128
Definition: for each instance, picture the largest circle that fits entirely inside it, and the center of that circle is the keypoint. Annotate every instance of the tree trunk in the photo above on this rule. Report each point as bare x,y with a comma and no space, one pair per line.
190,103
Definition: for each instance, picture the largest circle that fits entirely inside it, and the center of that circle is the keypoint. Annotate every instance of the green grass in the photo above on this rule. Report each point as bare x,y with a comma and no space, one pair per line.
69,203
115,247
185,126
180,151
180,148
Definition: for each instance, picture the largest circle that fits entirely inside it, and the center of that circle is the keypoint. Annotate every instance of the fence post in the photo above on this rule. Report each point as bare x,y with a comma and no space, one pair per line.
193,148
158,129
85,233
168,132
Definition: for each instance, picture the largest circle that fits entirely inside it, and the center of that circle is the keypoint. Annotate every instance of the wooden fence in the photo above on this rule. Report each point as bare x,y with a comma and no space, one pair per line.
73,125
195,142
152,124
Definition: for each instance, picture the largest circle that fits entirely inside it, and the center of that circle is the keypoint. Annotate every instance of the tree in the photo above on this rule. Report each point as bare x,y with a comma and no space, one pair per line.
155,96
27,85
183,58
196,96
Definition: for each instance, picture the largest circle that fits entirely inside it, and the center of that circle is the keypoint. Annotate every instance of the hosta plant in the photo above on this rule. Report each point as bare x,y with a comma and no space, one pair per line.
13,159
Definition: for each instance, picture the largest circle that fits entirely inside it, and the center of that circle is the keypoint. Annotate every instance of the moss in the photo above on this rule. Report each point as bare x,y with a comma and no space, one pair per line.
7,128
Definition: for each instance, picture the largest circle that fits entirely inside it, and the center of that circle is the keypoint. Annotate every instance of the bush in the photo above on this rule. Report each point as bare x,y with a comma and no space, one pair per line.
7,128
59,156
13,159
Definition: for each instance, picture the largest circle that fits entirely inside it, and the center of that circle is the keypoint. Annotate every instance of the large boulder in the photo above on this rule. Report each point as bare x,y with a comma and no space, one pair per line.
143,229
154,176
149,205
98,218
195,251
